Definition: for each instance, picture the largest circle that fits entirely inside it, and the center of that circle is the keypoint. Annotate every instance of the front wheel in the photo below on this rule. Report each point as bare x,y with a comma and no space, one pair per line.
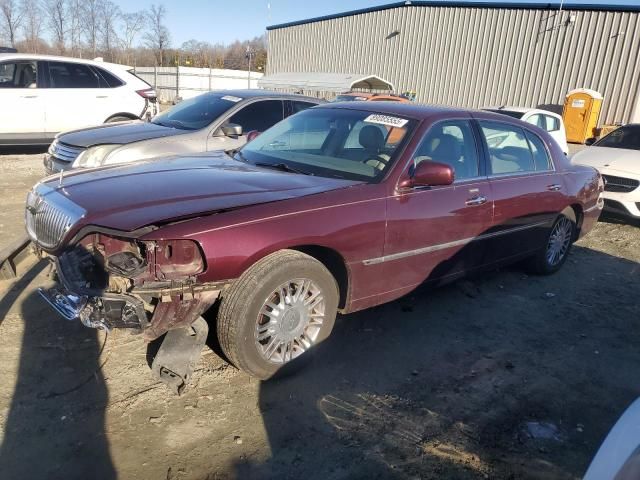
117,118
556,250
276,311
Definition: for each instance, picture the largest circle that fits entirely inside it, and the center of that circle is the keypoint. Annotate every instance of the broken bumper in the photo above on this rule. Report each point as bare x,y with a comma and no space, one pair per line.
103,312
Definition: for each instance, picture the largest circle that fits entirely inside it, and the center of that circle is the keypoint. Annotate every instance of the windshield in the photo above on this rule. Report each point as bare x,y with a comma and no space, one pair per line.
196,113
510,113
624,137
332,142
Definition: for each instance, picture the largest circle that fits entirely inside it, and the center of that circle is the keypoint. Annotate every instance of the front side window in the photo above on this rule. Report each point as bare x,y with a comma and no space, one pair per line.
336,143
258,116
452,143
72,75
508,148
197,112
624,137
21,74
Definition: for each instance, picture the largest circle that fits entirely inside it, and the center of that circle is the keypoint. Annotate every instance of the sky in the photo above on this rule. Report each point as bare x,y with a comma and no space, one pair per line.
218,21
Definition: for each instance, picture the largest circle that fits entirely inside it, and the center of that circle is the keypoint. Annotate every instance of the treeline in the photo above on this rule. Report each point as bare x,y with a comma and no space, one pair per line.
99,28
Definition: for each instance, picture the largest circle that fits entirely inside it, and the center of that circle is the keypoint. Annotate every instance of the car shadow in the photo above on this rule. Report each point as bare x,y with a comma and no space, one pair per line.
54,427
441,383
618,219
23,149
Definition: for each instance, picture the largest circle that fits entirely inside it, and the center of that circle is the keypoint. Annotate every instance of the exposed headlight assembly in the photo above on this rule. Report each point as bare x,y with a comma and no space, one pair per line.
94,156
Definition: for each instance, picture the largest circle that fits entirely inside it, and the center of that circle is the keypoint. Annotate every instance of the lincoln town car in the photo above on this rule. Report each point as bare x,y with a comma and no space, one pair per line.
337,208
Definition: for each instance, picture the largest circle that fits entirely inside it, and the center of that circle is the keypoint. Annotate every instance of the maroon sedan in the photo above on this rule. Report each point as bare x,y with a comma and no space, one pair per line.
321,213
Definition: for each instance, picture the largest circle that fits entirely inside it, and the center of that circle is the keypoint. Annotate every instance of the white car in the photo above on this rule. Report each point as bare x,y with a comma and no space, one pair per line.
42,95
549,121
617,157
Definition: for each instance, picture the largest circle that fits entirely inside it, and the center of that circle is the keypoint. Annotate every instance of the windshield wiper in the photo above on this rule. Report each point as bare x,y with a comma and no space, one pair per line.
282,167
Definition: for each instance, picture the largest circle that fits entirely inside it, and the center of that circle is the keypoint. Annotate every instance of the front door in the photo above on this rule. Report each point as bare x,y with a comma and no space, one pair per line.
436,232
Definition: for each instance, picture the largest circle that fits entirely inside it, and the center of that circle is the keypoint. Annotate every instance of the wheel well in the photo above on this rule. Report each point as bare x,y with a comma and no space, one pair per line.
574,212
334,263
130,116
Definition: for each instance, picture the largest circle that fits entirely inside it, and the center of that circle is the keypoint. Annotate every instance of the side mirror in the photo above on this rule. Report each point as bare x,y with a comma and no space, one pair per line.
429,174
589,141
231,130
252,134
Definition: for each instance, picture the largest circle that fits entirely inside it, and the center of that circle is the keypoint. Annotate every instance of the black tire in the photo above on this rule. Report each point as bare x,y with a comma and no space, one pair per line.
241,306
118,118
540,263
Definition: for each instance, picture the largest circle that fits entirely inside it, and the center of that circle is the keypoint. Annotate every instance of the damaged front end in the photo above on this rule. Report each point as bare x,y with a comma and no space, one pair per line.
150,287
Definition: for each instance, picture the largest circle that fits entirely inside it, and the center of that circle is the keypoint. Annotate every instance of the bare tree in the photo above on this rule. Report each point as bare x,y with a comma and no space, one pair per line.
132,24
158,38
32,25
91,14
76,22
109,16
11,19
56,14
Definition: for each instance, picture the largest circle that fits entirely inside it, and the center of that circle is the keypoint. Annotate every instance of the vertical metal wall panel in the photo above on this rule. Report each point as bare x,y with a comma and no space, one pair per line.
475,56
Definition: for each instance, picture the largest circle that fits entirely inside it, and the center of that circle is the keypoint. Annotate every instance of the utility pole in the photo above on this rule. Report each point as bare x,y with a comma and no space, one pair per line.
249,56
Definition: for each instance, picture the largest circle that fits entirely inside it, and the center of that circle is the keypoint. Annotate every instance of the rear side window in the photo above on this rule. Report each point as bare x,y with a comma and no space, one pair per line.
259,115
21,74
72,75
297,106
539,151
108,79
509,149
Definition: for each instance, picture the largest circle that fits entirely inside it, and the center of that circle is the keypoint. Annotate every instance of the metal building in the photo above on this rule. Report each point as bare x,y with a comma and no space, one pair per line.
476,54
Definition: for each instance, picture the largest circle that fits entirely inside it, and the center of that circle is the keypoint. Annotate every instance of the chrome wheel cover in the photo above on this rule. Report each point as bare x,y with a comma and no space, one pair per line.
290,320
559,241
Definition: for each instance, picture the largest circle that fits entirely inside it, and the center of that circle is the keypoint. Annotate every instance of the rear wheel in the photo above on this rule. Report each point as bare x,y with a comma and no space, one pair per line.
552,257
118,118
276,311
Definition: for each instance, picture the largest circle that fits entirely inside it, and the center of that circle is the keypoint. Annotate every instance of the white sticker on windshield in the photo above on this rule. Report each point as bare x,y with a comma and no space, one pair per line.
231,98
386,120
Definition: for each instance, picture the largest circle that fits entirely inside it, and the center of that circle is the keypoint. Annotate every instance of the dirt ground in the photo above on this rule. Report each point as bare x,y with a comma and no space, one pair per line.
438,385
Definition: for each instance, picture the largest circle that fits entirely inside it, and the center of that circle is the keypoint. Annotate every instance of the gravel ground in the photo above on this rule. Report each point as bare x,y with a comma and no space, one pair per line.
503,376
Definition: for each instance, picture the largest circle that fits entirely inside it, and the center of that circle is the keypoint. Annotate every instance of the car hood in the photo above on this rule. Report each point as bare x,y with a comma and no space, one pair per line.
603,158
118,133
133,196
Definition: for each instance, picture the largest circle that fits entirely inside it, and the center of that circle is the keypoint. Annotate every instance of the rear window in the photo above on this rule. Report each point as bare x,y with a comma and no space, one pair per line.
108,79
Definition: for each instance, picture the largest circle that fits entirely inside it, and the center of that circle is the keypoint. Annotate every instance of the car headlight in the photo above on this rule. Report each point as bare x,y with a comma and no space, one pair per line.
93,156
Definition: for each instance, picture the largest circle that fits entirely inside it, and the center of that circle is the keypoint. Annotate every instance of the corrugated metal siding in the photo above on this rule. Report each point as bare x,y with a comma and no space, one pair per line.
474,57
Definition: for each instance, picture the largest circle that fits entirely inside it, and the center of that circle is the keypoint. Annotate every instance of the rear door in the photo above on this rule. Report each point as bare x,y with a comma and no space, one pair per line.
527,191
436,232
22,101
74,97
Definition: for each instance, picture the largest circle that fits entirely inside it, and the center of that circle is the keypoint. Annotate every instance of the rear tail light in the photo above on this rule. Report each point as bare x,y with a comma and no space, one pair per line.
148,93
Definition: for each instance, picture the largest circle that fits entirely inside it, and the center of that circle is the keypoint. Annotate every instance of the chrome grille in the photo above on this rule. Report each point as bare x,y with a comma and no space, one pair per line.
49,216
619,184
64,152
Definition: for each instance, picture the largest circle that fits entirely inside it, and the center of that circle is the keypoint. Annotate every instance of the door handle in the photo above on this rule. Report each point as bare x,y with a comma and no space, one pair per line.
29,96
554,188
101,96
472,202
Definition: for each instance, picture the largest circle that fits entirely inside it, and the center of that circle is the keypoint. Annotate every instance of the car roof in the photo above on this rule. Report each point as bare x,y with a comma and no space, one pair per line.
413,110
256,93
57,58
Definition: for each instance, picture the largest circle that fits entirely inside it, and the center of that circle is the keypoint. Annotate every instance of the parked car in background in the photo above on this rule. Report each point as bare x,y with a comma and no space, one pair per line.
218,120
319,214
550,122
617,157
43,95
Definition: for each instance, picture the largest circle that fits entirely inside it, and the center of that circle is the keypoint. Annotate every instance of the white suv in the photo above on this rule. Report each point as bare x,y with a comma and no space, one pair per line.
43,95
